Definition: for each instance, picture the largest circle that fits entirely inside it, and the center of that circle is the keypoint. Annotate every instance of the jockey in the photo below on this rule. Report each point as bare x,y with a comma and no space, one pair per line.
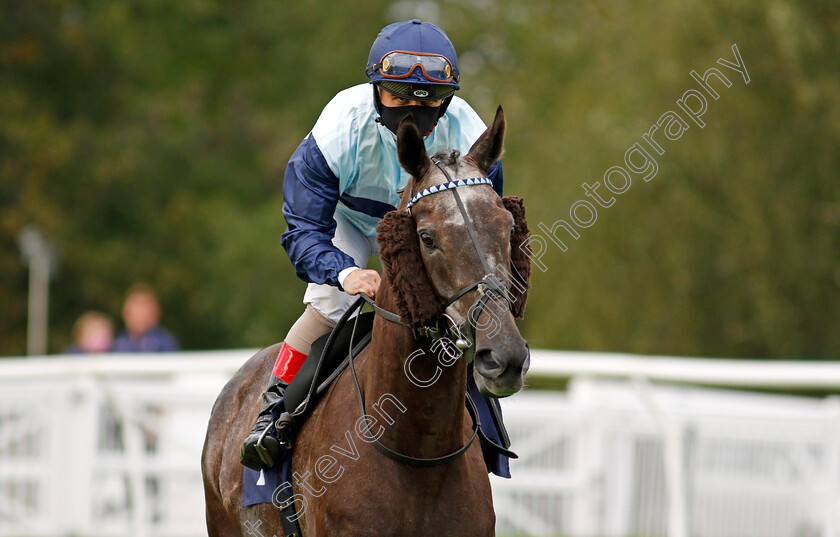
344,177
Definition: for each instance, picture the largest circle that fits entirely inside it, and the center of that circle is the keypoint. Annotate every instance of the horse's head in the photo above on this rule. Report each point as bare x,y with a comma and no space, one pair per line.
441,247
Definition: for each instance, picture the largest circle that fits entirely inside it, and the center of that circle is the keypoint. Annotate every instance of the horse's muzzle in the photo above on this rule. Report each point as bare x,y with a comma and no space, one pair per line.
500,369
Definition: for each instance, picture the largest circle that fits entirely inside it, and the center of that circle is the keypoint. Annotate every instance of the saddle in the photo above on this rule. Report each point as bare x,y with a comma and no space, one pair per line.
320,368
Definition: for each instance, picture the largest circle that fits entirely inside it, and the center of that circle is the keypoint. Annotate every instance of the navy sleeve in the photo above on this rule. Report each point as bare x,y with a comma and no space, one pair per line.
310,195
495,175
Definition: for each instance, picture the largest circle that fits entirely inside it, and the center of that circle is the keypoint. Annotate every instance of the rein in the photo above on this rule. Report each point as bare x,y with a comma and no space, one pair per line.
382,448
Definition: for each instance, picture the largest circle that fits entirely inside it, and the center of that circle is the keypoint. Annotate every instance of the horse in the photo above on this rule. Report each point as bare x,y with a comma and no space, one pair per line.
402,394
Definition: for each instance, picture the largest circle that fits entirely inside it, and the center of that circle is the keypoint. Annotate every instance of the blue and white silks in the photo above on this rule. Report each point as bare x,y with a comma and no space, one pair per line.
348,164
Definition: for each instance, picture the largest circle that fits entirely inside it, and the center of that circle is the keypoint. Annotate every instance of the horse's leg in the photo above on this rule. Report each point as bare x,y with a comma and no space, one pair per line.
219,523
231,419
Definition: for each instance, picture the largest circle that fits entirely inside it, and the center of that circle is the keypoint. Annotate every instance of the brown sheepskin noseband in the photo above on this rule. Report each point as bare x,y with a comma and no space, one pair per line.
417,303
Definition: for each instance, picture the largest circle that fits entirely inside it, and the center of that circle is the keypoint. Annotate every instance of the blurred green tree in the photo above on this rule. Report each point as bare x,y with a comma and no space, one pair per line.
148,139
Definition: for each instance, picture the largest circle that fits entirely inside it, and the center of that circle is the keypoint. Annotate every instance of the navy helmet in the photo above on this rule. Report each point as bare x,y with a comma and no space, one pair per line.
414,60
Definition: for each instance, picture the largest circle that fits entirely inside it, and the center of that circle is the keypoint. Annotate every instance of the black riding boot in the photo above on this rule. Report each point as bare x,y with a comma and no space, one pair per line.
261,449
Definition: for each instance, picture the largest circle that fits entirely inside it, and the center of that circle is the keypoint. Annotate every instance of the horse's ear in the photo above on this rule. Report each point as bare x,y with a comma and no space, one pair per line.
520,252
487,150
417,303
410,148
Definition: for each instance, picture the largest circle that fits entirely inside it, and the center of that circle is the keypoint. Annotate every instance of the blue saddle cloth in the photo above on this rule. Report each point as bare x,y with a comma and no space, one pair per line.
260,486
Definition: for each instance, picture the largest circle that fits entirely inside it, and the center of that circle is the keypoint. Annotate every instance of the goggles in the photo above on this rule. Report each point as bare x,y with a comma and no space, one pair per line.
416,92
401,64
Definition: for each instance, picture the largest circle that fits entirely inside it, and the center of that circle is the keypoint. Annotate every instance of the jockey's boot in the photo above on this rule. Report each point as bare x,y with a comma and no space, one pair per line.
261,449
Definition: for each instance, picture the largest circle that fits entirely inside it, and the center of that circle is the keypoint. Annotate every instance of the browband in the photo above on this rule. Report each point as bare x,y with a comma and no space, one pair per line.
447,186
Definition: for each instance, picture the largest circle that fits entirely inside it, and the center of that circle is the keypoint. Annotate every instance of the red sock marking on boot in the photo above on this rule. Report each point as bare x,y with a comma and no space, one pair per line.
288,363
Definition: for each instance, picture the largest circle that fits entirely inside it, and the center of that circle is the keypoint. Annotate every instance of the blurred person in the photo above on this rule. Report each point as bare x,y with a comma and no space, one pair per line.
141,315
344,177
93,332
143,333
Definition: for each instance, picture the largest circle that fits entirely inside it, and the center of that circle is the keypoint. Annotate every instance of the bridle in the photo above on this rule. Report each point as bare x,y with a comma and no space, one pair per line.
490,287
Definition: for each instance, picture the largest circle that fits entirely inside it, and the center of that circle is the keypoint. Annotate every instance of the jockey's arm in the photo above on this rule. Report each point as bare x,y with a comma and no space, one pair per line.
496,175
310,196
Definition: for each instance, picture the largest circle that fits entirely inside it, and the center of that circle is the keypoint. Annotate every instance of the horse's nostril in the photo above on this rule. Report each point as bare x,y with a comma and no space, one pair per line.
488,364
526,365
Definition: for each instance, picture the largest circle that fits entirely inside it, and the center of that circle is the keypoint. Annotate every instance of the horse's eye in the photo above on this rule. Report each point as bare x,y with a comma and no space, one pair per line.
427,239
512,229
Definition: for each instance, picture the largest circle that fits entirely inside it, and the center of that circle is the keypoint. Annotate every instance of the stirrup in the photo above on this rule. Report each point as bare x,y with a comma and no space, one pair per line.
263,452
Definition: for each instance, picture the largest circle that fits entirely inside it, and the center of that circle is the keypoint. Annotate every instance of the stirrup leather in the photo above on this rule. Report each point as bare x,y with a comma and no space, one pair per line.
283,425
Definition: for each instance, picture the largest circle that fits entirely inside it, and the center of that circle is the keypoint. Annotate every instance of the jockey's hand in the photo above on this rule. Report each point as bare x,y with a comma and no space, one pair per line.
362,281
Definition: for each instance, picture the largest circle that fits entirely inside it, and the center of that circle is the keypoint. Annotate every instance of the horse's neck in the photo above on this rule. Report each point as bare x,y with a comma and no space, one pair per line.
432,423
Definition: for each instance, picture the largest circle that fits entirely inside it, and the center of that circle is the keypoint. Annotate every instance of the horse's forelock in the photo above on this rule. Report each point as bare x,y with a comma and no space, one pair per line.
449,159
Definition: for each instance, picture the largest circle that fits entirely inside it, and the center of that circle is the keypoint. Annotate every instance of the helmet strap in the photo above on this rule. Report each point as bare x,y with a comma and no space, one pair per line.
444,105
377,103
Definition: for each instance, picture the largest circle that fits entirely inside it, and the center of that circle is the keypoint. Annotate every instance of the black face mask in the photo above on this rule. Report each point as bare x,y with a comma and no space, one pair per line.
425,116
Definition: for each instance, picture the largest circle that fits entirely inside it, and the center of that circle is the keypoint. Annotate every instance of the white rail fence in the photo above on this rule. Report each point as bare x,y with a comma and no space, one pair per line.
110,446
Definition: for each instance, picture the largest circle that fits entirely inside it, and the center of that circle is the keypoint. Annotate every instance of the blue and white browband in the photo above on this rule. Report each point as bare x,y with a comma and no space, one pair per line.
447,186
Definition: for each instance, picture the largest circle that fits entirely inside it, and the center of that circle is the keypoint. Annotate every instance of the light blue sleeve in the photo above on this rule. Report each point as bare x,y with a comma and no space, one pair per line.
465,124
338,131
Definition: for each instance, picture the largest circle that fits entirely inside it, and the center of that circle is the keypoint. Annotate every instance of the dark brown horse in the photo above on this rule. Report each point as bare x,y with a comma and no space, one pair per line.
413,394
